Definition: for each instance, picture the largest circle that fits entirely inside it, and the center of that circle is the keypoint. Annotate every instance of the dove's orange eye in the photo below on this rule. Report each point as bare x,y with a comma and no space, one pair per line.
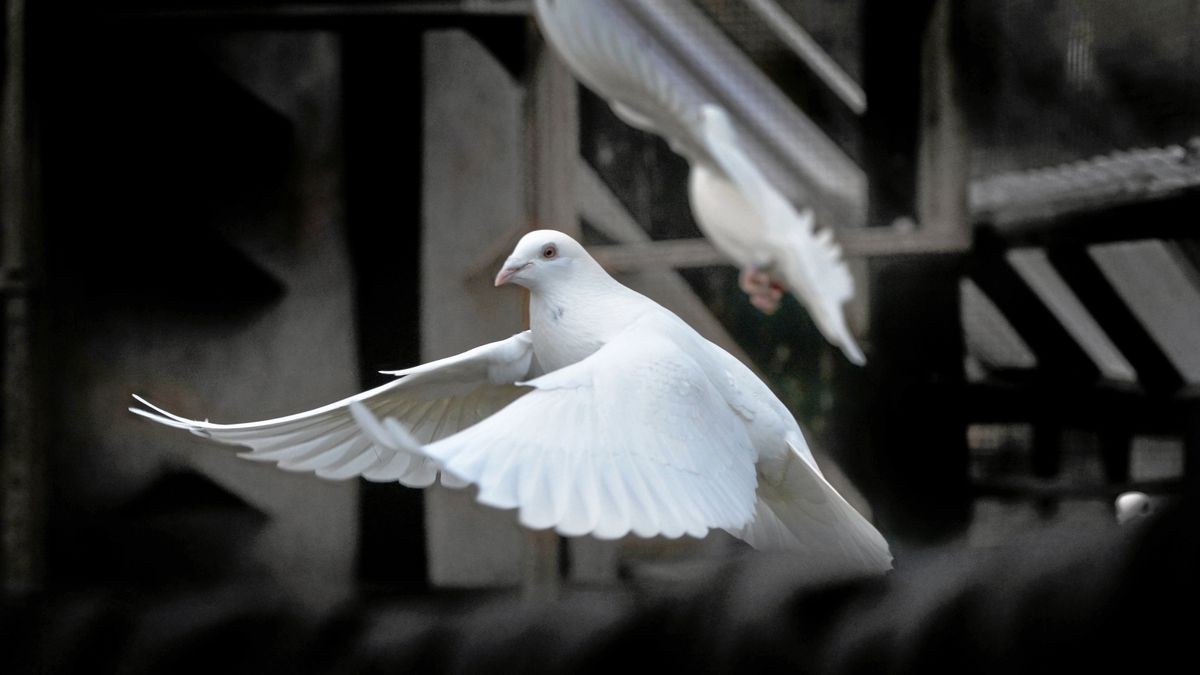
549,251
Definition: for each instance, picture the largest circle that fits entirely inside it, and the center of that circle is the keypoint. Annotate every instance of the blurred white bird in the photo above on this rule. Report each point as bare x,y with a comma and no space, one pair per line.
609,416
1131,506
736,206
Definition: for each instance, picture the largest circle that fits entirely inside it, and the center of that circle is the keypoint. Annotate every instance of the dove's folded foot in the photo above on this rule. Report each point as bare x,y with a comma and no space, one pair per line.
765,293
753,280
766,303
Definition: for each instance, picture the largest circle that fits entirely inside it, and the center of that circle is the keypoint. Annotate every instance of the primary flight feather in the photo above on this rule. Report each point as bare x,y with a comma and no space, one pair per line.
610,416
734,204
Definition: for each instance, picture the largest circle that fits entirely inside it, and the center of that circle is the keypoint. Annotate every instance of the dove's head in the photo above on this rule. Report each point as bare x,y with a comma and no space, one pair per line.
545,257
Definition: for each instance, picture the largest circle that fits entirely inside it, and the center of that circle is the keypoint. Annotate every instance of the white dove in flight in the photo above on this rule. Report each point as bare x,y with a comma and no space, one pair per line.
609,416
734,204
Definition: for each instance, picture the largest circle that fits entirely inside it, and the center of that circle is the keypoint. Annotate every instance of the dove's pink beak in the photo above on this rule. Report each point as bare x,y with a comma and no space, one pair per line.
510,268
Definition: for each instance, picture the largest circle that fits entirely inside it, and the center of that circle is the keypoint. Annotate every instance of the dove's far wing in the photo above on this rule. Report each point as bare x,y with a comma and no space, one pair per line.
810,262
799,511
634,438
610,53
434,400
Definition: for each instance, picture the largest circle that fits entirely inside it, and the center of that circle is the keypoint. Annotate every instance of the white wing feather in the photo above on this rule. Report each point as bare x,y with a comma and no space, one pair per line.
809,262
612,55
634,438
798,510
434,400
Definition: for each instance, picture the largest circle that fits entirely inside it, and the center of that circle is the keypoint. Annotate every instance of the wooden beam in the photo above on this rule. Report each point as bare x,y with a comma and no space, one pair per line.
1154,369
1082,405
604,211
1163,218
943,151
474,163
856,243
905,411
1191,442
338,11
1057,353
667,254
818,61
553,138
1035,269
552,132
872,242
382,78
1055,488
21,456
794,152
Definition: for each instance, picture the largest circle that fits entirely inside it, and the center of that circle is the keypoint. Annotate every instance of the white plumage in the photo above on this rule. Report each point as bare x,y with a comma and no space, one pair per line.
610,416
736,206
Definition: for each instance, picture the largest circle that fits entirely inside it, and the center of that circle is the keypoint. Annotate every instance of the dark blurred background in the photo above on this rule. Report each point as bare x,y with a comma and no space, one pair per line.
242,210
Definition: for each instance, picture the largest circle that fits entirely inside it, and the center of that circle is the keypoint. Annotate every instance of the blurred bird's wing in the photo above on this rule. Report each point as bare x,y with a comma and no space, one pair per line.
434,400
799,511
633,438
809,262
614,56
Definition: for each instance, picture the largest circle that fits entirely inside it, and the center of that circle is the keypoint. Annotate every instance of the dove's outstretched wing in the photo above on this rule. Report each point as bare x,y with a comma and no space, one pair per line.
433,400
809,262
634,438
798,510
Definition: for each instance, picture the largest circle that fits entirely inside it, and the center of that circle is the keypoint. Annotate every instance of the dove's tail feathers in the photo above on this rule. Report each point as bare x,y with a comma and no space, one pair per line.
809,262
799,511
813,269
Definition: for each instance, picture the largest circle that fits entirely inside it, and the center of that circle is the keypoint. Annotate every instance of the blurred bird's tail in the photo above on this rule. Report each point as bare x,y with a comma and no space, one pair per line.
809,262
812,265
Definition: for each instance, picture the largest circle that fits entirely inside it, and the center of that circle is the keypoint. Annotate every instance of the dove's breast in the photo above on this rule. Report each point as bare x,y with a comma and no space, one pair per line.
562,335
568,330
555,348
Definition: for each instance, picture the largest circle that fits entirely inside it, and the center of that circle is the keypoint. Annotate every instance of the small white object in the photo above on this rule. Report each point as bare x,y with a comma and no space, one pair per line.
1133,506
610,416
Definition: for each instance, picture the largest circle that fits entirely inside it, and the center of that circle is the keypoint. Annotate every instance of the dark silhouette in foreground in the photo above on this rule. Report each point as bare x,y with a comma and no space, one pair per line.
1063,602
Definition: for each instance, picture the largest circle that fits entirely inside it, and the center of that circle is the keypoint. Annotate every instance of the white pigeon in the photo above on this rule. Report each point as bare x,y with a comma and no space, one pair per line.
736,207
609,416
